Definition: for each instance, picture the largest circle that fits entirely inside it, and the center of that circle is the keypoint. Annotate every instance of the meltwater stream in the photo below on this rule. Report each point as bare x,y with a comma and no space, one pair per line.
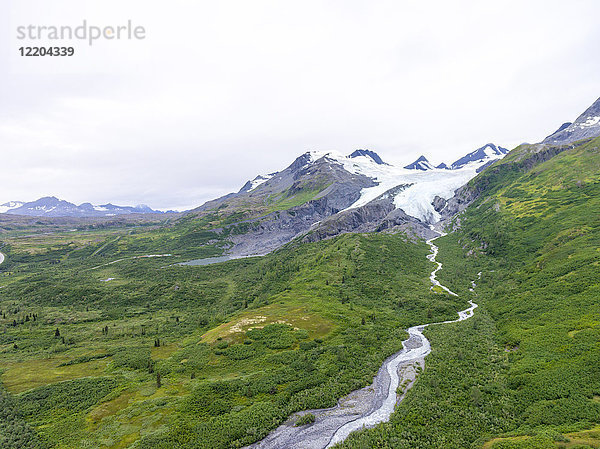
369,406
386,409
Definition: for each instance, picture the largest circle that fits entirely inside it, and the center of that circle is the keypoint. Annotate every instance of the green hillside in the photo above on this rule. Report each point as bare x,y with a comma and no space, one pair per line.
525,373
176,356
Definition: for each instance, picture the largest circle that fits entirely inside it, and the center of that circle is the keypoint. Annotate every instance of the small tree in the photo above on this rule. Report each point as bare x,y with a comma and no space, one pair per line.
57,333
158,382
309,418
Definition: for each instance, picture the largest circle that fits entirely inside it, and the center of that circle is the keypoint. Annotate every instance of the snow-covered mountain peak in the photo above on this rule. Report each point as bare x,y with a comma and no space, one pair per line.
360,154
420,164
315,155
481,156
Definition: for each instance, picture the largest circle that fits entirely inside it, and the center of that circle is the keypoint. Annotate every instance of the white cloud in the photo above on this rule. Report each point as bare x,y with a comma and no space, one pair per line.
221,91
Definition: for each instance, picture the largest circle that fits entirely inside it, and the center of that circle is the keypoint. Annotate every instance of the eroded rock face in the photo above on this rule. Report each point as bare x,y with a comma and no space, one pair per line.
377,216
462,198
439,203
361,219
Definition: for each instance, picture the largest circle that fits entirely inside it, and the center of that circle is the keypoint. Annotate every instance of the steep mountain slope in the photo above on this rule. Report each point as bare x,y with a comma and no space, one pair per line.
53,207
541,231
587,125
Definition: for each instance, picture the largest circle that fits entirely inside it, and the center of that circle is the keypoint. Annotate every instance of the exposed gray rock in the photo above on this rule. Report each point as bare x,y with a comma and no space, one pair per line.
361,219
586,126
379,215
462,198
278,228
439,203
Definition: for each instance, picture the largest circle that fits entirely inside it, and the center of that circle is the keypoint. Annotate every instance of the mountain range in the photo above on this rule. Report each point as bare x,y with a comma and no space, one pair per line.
322,194
487,154
53,207
326,193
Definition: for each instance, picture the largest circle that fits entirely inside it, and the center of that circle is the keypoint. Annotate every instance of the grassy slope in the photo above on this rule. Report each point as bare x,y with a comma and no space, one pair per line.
222,383
545,289
528,368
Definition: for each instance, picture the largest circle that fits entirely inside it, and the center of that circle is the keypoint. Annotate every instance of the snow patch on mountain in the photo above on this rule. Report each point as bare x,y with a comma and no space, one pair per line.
590,121
260,179
480,156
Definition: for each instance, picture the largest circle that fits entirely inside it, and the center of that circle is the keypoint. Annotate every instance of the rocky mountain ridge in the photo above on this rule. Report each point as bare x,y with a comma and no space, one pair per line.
587,125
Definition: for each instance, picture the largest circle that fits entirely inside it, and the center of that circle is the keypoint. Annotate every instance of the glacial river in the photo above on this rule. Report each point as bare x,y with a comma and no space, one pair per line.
369,406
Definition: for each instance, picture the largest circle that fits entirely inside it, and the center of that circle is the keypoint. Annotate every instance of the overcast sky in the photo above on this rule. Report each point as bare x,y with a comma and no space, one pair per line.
220,91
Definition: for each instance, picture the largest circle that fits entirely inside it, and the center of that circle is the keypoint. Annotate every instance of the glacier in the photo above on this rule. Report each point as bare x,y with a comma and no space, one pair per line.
424,185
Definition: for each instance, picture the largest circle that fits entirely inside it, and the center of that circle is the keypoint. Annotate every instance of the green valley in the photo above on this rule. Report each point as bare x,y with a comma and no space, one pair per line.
107,341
